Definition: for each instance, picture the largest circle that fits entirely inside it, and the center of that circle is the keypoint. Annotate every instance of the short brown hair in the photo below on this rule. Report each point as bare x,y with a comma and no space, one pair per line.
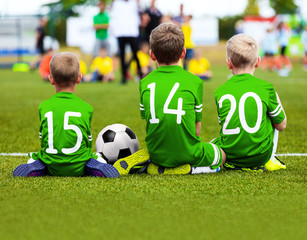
65,68
242,50
167,42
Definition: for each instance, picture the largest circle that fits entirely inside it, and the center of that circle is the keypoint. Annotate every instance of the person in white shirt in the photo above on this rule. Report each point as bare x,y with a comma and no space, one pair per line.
124,25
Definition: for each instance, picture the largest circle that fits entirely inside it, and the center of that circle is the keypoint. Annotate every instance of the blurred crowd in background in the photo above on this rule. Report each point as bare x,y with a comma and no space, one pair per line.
131,26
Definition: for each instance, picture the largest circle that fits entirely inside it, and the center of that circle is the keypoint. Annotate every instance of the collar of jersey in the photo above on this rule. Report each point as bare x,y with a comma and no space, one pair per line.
242,75
65,94
169,68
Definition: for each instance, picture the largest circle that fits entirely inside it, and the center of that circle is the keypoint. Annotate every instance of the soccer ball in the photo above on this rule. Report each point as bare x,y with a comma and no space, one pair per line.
116,141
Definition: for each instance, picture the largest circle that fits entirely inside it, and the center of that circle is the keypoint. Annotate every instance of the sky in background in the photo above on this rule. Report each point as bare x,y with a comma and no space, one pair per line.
217,8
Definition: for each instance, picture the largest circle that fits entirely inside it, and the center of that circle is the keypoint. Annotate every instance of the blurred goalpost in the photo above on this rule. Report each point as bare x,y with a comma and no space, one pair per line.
17,39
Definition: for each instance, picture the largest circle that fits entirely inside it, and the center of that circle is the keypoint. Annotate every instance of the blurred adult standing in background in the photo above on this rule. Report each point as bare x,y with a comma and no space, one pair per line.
39,42
179,20
284,34
101,25
154,19
125,21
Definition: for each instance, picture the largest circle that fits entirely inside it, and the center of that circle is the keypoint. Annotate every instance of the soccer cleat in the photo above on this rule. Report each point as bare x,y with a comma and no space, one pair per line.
155,169
124,165
34,169
244,169
98,169
274,164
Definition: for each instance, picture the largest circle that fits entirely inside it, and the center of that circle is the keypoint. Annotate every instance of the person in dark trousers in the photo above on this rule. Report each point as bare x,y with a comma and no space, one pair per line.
125,27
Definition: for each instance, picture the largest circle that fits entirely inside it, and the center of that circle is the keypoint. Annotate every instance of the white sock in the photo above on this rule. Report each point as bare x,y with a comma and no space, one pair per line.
275,143
100,158
31,160
199,170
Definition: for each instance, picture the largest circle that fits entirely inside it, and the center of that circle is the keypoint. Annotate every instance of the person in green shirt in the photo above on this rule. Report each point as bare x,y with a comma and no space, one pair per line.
65,129
171,104
249,111
101,25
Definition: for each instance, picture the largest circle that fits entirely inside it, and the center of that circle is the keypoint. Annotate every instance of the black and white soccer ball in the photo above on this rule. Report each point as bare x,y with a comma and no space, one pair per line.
116,141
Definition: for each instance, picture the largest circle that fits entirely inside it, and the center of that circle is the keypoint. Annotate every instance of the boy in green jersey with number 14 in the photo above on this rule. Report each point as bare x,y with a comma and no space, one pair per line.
171,104
65,129
249,111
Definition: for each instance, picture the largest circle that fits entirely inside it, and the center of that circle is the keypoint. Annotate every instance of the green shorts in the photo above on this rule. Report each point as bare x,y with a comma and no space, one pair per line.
211,157
247,161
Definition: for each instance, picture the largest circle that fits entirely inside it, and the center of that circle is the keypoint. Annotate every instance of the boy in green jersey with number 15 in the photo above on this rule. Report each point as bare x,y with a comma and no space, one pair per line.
171,104
249,111
65,129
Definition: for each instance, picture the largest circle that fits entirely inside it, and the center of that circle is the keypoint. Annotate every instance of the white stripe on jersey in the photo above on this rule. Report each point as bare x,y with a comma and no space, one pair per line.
276,109
276,114
142,107
216,155
198,108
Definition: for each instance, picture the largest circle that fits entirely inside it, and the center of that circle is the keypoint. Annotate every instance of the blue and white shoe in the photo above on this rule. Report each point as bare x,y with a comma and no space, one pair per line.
34,169
96,168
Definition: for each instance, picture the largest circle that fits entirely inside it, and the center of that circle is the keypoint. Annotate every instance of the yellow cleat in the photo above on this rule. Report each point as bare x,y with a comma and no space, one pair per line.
124,165
155,169
274,164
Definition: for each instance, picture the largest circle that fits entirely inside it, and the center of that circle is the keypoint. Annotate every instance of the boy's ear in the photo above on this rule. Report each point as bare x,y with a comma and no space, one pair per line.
229,64
184,51
257,62
152,56
79,78
51,80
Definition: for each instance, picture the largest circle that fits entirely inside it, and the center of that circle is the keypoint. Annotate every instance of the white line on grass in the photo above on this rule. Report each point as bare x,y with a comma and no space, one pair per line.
292,154
14,154
279,154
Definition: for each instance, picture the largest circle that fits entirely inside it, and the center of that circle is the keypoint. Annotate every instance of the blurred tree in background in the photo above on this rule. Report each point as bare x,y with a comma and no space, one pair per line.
252,8
284,6
59,12
227,24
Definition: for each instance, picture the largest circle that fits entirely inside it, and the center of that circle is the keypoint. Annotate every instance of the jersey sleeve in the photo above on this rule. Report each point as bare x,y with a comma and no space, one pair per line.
199,102
89,131
275,110
142,109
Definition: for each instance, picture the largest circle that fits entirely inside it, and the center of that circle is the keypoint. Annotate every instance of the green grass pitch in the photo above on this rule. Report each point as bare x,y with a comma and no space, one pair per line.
226,205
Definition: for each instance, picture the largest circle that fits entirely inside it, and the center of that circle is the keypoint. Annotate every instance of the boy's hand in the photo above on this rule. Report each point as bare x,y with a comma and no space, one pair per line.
198,127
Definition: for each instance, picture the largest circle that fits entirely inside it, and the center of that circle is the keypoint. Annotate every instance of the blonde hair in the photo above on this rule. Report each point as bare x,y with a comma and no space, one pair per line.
242,50
167,42
65,68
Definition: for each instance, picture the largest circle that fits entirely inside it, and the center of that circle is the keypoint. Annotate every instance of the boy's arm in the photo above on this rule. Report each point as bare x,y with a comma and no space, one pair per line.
101,26
198,127
142,108
282,125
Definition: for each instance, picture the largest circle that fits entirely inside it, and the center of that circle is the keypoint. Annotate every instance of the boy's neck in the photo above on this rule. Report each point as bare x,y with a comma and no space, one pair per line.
70,89
236,71
171,64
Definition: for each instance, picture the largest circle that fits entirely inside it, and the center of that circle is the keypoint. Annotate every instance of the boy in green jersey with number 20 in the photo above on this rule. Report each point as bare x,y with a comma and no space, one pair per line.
65,129
249,111
171,104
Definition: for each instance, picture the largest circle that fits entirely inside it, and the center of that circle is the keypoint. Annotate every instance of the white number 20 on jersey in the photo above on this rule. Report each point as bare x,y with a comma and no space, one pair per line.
233,106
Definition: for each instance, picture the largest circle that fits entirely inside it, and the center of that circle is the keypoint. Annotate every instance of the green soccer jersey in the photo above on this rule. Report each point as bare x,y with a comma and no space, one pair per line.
171,103
65,132
247,107
101,18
